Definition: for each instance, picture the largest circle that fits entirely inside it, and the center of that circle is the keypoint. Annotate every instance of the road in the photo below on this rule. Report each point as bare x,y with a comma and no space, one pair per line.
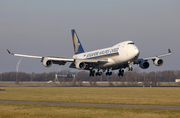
93,104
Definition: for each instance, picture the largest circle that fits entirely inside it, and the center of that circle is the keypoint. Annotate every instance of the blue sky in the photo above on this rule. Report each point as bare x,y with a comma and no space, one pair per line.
42,27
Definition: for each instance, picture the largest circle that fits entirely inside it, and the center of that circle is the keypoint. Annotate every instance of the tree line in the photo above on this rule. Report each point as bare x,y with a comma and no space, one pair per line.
134,76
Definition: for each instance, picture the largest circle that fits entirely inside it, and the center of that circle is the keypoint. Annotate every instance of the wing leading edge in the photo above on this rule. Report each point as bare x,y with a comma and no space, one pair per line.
21,55
61,60
55,60
167,54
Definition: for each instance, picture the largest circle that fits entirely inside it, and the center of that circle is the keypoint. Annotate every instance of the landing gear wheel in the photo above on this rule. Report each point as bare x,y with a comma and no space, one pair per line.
98,73
121,72
108,73
91,74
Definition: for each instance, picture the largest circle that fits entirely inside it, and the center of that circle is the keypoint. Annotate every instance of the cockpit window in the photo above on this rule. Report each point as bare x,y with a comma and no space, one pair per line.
131,43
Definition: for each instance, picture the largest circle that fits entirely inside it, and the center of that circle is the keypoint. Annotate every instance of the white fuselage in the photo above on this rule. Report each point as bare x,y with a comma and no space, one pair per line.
119,54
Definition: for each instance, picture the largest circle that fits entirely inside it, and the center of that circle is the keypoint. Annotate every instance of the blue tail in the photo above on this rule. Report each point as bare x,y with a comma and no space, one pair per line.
76,43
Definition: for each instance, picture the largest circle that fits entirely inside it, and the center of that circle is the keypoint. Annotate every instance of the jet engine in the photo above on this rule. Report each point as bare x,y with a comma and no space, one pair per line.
158,62
80,65
144,65
47,63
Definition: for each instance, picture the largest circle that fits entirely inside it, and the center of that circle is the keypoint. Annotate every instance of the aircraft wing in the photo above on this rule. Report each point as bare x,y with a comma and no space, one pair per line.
139,60
61,60
55,60
151,58
21,55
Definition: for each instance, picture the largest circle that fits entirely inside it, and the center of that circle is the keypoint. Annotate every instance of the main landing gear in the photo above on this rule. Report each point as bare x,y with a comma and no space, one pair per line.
121,72
108,73
98,73
91,73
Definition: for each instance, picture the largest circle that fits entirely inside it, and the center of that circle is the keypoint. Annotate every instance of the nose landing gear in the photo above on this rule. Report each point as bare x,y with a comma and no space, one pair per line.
130,67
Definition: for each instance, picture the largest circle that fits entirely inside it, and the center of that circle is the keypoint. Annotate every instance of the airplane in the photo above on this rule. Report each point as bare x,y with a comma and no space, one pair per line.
119,56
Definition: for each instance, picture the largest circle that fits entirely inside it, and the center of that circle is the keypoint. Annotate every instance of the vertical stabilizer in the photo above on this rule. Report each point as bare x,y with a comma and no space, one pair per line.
76,43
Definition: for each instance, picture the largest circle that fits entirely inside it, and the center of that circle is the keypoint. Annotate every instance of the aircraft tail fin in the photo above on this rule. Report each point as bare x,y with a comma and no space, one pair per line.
76,43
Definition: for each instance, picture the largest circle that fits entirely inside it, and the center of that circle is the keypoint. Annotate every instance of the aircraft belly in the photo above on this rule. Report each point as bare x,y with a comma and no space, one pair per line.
113,65
105,65
117,62
121,59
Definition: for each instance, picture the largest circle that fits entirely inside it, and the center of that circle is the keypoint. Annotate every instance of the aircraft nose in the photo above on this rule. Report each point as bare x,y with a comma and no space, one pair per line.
136,51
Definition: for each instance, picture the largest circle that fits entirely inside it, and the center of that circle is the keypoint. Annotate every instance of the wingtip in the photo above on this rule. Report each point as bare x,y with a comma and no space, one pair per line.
169,51
8,51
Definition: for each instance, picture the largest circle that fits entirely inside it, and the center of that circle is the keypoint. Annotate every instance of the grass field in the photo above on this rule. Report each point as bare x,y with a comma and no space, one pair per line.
51,111
108,95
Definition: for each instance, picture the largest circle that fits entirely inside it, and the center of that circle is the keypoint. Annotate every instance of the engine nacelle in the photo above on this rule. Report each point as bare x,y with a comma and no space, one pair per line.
144,65
80,65
47,62
158,62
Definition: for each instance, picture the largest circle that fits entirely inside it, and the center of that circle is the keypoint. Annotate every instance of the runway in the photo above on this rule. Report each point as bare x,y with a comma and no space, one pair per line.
93,104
